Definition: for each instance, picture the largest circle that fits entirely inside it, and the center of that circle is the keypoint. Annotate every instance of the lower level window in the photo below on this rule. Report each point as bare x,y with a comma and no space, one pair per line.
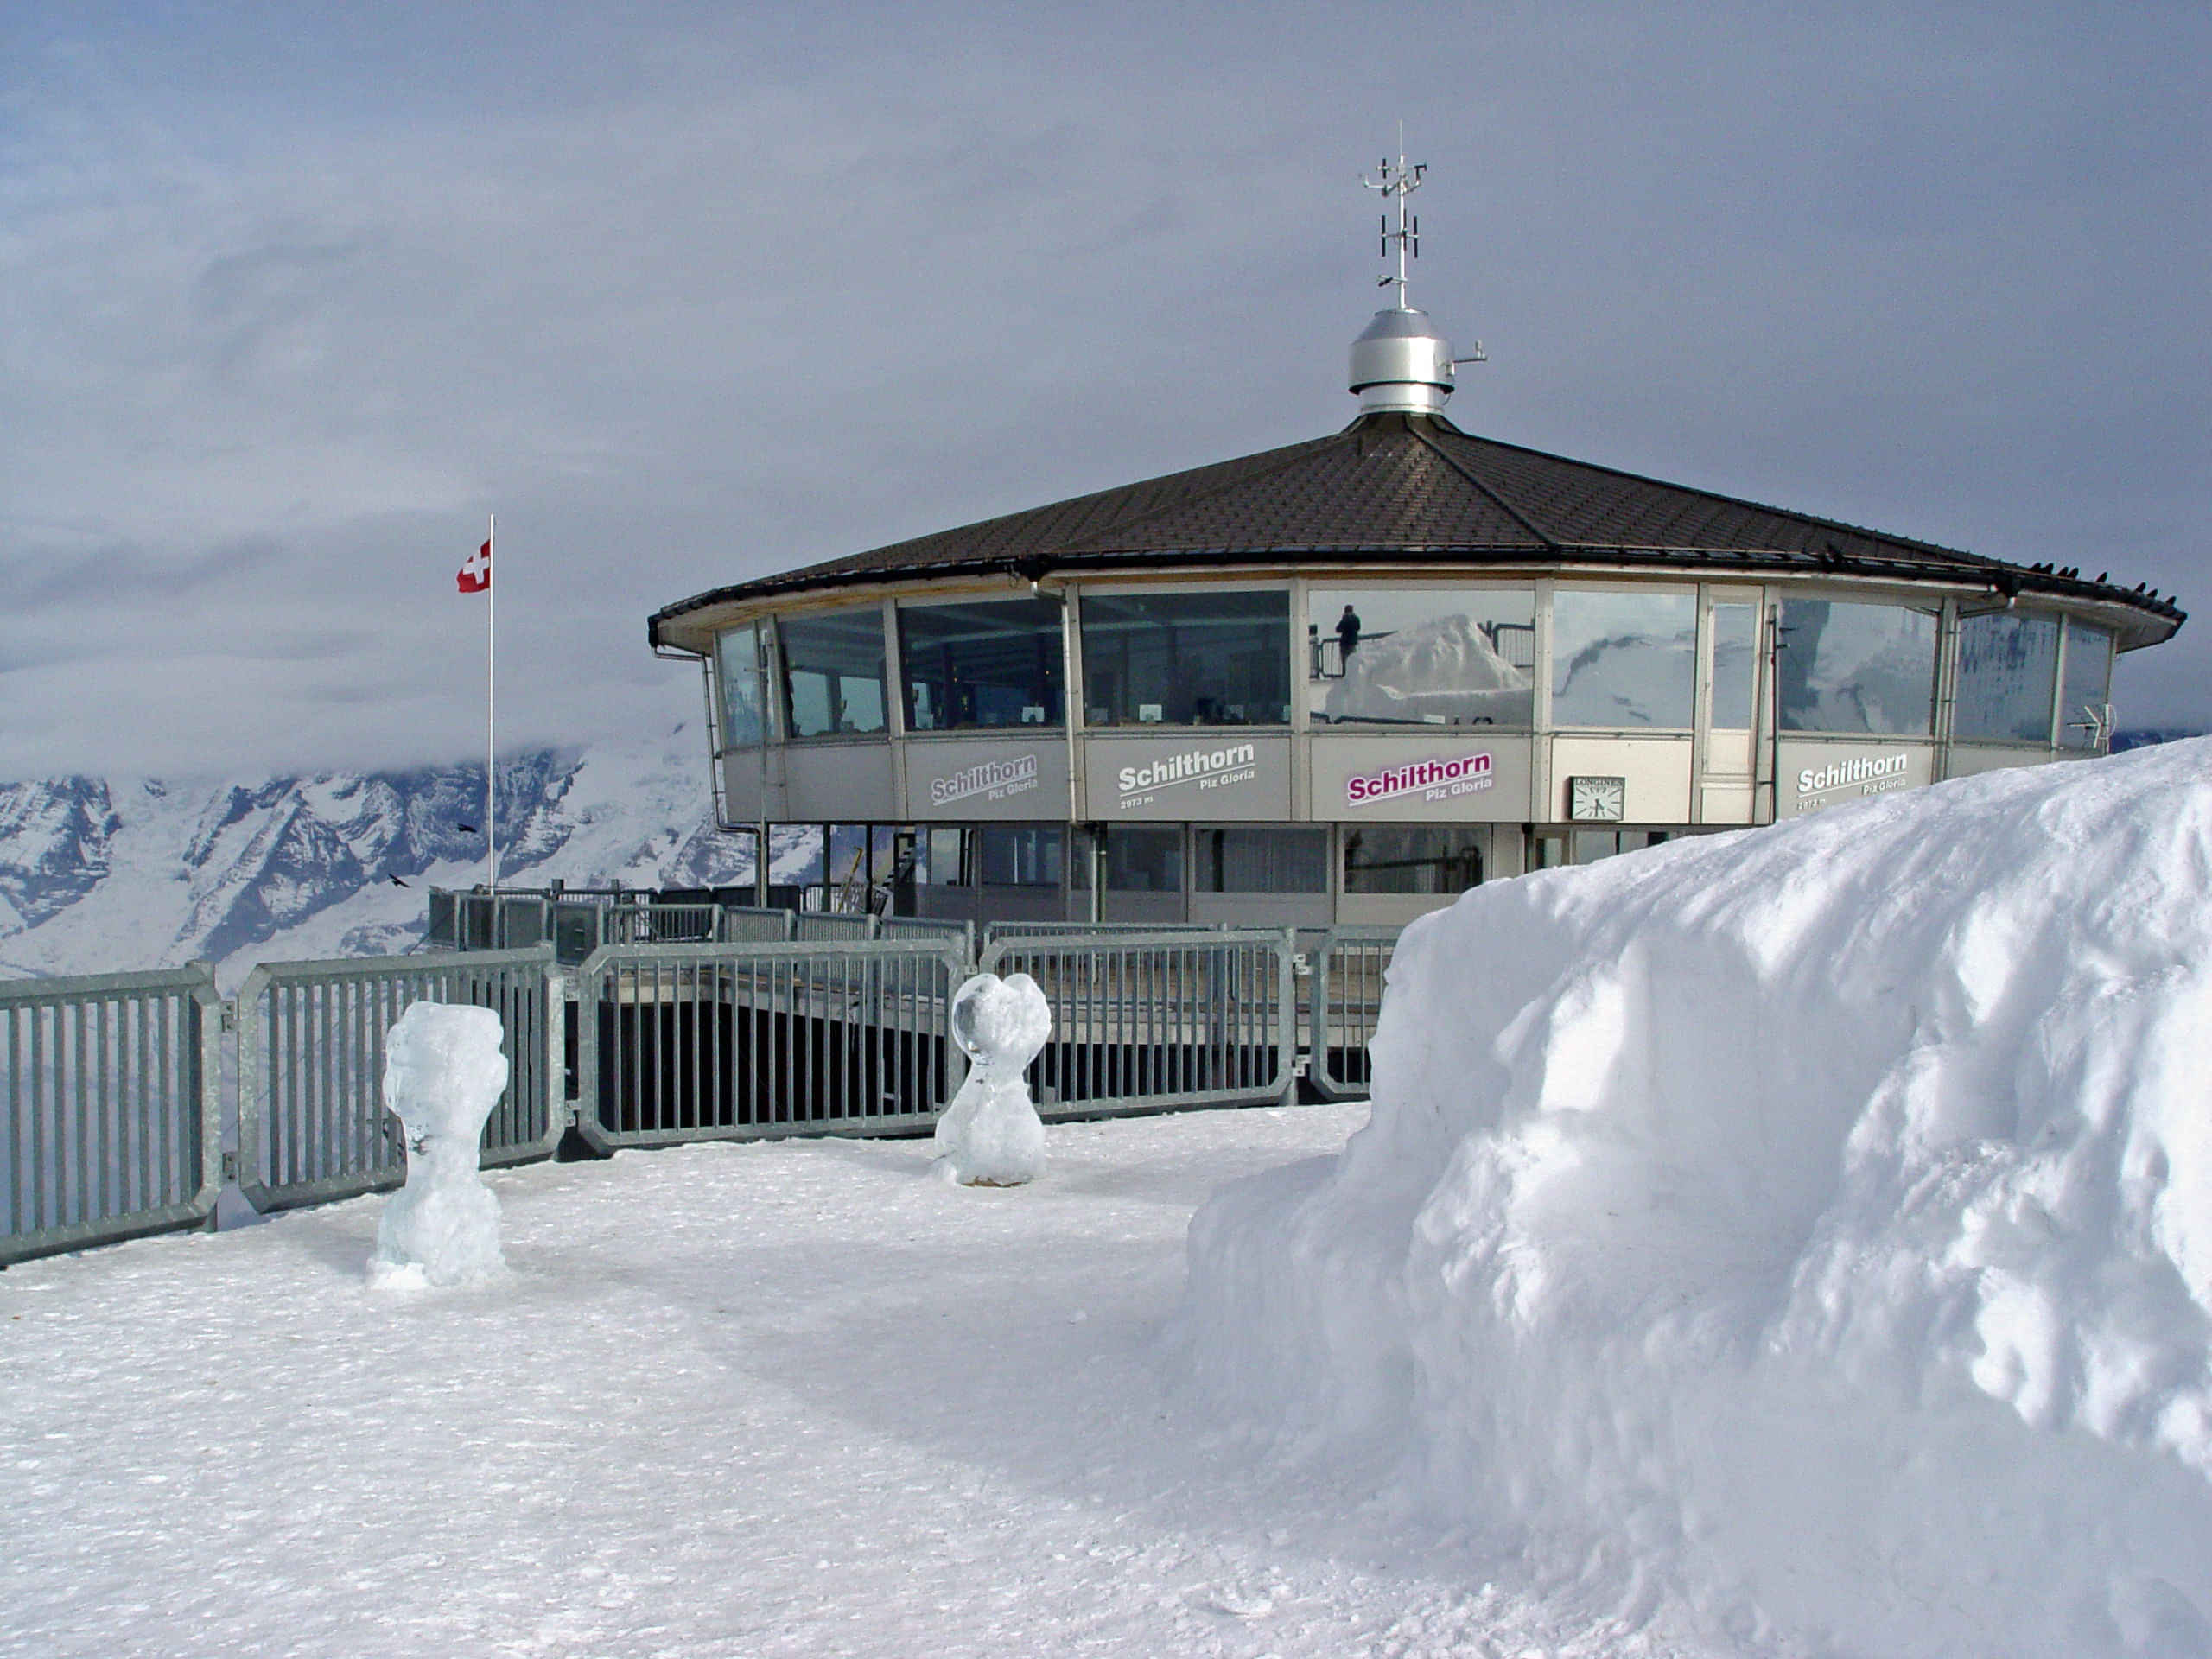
1591,845
994,855
1140,860
1018,855
1415,858
1263,861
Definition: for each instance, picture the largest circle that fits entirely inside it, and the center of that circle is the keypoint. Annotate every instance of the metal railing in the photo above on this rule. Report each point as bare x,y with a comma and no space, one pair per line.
1150,1020
1345,1000
699,1042
110,1108
110,1113
312,1122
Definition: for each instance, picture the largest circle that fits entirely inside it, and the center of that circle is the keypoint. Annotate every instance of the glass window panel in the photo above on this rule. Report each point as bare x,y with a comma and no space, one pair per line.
737,667
1735,662
941,859
1018,855
1263,861
833,673
996,664
1186,659
2007,664
1856,667
1421,657
2083,713
1143,860
1622,659
1415,858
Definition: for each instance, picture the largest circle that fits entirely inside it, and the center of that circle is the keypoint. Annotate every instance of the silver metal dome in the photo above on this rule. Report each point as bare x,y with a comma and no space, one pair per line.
1400,362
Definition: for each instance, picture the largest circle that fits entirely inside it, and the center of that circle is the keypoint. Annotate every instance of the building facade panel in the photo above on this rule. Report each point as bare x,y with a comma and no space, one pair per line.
1188,777
982,779
1815,775
1457,776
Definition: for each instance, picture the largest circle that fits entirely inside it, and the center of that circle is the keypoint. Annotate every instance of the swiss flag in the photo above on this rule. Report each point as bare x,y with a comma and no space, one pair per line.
476,570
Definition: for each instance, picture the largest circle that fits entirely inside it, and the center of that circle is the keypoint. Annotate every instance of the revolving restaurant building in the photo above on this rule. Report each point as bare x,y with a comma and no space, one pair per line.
1345,680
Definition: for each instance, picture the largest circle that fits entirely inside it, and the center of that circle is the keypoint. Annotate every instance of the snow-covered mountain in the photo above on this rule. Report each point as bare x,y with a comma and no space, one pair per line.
98,874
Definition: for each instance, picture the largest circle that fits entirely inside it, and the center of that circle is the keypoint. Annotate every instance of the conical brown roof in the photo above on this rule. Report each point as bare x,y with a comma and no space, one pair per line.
1413,488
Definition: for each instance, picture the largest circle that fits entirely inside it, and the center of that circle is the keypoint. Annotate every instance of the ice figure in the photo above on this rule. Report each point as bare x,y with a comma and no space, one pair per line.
990,1136
443,1073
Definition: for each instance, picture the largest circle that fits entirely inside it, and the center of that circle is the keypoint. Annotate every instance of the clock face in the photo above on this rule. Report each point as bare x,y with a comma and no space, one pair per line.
1595,800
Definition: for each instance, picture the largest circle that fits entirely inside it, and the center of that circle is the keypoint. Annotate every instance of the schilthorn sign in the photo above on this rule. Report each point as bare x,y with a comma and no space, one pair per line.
1870,774
1206,768
1435,780
996,779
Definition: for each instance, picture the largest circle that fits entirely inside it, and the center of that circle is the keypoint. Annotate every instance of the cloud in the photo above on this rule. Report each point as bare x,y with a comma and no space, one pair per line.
689,295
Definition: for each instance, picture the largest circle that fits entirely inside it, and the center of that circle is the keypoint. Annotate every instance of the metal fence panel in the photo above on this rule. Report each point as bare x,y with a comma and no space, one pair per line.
1150,1020
738,1041
993,932
109,1088
828,926
755,925
1347,971
693,924
944,928
312,1122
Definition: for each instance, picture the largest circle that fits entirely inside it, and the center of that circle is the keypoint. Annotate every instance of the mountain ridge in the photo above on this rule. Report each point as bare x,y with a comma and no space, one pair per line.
108,874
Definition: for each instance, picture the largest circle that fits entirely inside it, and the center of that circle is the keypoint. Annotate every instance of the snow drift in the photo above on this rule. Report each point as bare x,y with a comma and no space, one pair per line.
1808,1230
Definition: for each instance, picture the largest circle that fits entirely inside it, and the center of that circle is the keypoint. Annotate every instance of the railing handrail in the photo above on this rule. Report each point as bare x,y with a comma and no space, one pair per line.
58,988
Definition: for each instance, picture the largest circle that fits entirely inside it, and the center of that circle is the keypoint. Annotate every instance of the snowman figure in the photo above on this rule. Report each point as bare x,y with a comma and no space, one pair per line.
443,1073
990,1136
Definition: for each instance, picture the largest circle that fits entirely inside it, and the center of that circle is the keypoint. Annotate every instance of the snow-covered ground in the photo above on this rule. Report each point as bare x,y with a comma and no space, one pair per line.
800,1398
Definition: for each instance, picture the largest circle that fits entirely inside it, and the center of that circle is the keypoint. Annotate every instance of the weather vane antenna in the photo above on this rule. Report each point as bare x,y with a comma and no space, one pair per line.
1394,181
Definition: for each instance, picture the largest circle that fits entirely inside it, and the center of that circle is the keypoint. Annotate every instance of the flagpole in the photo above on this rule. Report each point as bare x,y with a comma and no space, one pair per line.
492,703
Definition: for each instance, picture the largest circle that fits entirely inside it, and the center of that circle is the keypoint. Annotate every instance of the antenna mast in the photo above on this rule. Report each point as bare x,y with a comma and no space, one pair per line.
1395,182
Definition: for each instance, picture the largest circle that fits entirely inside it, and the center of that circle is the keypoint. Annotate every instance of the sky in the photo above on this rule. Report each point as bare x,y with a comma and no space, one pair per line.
293,297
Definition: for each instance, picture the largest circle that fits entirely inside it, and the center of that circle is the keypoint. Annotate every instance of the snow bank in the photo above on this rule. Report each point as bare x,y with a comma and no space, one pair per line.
1809,1229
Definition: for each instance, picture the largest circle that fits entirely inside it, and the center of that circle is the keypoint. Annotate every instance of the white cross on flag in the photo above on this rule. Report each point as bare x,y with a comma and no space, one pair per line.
475,574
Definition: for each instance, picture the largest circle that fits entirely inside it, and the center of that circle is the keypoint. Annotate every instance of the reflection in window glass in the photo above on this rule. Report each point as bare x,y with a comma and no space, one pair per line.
2007,664
1186,659
1017,855
737,667
1624,659
996,664
1415,858
833,673
1591,845
1263,861
2083,710
1421,657
1735,662
1140,860
848,844
795,855
1856,667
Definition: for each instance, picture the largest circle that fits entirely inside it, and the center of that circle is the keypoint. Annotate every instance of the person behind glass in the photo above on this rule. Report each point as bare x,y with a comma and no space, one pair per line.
1347,638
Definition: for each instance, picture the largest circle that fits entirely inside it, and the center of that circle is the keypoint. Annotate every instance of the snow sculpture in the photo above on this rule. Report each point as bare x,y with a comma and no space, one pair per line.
990,1136
443,1073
